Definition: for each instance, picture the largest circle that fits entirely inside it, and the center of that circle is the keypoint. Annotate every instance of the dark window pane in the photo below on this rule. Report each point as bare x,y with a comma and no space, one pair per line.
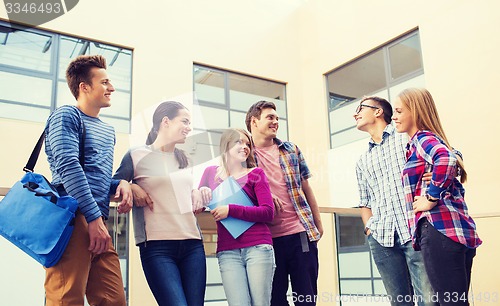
351,231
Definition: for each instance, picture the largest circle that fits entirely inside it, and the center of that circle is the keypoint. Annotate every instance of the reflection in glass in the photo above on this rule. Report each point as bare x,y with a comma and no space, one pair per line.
25,89
246,90
25,49
357,79
238,120
24,112
367,76
224,98
27,73
209,85
347,136
405,57
418,81
118,229
357,272
120,105
214,118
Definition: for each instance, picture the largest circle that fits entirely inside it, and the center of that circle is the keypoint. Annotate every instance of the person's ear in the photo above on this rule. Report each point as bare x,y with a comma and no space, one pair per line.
165,121
379,112
254,121
84,87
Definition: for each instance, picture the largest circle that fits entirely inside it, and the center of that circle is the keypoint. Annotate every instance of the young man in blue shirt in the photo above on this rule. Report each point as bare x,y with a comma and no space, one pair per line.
89,265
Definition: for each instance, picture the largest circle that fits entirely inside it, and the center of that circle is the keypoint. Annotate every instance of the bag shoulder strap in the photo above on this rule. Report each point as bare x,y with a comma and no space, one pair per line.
30,165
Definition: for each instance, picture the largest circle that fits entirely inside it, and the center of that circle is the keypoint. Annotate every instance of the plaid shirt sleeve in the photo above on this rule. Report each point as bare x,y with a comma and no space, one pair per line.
364,195
304,170
443,160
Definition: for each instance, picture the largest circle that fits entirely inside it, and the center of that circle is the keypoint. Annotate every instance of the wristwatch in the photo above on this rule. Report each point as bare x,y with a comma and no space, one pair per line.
430,199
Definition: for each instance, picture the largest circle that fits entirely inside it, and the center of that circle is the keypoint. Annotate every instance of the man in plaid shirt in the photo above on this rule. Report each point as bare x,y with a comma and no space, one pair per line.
383,207
296,227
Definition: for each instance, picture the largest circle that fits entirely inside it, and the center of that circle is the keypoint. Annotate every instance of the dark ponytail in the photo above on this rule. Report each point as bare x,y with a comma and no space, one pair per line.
181,157
151,136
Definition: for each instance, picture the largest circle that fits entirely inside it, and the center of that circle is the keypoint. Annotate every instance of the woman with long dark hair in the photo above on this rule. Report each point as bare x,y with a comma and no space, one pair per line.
166,231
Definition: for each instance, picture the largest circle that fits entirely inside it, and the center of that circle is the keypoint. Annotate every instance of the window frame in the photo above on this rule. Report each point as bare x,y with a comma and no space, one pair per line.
55,77
389,83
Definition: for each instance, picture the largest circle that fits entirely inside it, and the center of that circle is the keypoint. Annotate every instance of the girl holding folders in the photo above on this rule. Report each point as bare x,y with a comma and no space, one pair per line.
247,262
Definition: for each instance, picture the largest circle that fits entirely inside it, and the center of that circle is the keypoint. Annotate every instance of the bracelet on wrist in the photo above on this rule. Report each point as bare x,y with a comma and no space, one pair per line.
430,199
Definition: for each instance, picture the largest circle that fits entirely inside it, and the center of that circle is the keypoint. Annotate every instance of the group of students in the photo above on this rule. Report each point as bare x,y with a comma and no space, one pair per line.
155,181
165,227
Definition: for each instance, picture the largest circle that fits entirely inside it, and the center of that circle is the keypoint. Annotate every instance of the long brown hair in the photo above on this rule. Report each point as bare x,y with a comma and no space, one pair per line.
423,109
169,109
227,141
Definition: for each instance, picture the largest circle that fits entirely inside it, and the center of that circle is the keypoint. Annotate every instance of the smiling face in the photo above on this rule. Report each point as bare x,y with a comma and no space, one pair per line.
98,93
240,149
403,118
178,128
267,126
365,115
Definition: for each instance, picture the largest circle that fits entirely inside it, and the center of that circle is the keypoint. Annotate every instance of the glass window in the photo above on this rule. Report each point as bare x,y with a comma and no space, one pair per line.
18,88
224,98
405,57
118,228
245,91
357,271
357,79
375,73
209,85
27,62
25,49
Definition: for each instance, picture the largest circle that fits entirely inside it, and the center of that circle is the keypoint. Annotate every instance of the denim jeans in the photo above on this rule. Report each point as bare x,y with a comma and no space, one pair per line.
247,275
301,265
448,264
403,273
175,271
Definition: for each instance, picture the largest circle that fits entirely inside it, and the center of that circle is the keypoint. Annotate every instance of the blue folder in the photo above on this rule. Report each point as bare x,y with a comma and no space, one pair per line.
230,192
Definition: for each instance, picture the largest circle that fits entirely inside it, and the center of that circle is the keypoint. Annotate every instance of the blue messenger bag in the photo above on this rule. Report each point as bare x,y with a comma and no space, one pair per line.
35,217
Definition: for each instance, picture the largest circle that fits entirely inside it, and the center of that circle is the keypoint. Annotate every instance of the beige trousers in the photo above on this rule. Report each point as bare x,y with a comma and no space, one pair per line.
81,273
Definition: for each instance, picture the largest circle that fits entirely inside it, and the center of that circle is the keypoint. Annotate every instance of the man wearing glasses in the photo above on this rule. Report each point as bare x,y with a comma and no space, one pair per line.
383,207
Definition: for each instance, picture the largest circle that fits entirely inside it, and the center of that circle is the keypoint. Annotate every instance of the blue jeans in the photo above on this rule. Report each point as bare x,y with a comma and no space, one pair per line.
403,273
247,275
448,264
175,271
302,265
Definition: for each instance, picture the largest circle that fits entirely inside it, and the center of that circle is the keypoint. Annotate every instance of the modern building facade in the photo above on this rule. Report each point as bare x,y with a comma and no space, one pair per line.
314,58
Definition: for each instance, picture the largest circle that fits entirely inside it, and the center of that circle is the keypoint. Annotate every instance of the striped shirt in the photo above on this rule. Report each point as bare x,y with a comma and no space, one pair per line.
90,186
450,215
379,183
295,170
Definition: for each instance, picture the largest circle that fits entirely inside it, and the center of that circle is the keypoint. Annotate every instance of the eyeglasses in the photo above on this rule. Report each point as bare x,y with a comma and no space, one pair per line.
360,107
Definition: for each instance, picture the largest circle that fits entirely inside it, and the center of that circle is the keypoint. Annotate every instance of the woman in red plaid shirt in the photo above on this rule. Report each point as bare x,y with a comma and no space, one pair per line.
439,222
